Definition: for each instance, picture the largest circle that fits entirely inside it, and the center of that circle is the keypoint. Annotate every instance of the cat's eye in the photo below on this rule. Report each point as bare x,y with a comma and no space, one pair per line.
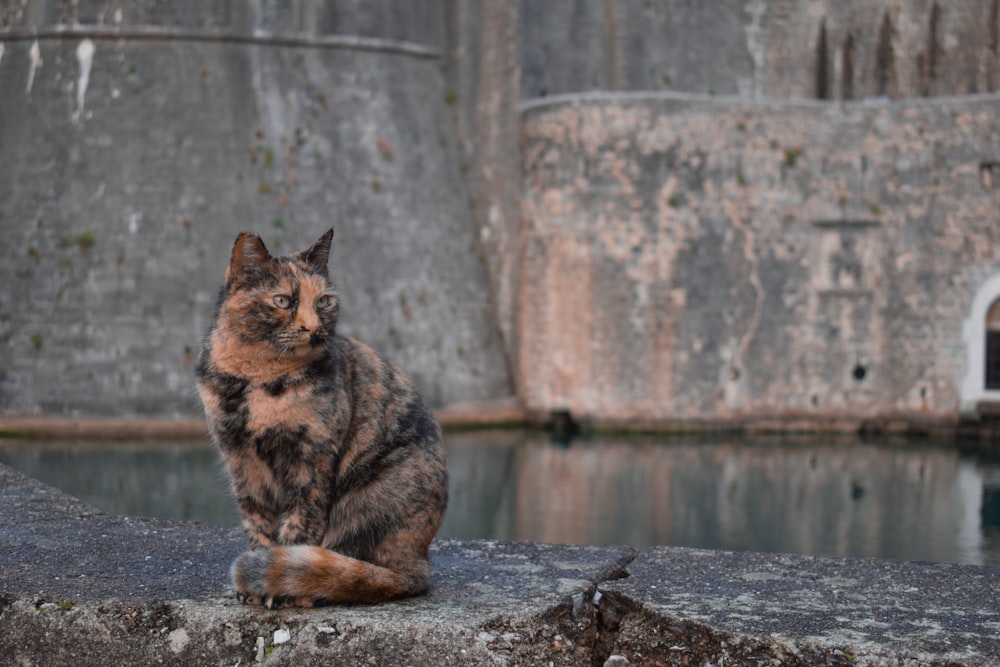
323,302
282,301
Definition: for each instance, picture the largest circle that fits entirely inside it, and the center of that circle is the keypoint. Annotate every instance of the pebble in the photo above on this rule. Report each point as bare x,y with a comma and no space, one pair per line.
260,649
281,636
616,661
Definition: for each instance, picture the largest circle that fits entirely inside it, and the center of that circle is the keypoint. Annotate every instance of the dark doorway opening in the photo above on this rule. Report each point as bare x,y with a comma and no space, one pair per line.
993,346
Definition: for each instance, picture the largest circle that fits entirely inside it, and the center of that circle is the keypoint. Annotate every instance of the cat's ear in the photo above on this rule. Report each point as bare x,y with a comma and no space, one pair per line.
250,255
318,256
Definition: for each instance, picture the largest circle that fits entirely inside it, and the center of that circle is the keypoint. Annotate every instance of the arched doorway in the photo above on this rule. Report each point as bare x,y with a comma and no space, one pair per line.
981,335
991,381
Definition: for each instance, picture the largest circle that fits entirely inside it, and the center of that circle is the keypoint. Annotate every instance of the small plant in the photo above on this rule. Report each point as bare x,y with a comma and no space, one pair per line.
265,188
450,97
278,223
875,209
84,241
741,179
36,341
34,254
673,201
792,156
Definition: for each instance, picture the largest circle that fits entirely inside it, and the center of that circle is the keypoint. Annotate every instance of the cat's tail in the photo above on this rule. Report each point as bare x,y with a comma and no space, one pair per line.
306,575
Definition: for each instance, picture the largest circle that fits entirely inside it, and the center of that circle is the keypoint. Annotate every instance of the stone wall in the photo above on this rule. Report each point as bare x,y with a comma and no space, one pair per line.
696,259
844,49
142,137
136,144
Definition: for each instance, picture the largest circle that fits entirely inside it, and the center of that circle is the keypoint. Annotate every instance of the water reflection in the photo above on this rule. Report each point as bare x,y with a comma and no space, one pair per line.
845,498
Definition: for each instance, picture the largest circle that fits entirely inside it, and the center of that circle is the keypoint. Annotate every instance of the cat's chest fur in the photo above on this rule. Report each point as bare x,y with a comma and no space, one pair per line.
240,408
283,404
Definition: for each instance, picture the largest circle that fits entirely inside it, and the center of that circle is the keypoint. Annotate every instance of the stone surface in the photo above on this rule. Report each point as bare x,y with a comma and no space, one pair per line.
831,49
139,139
730,608
85,588
688,258
125,181
583,45
418,22
102,587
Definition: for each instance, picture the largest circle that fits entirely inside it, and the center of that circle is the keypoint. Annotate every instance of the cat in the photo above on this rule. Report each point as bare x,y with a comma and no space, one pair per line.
336,465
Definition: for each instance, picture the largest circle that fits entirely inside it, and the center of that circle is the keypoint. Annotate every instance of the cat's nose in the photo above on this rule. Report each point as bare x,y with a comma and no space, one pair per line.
308,323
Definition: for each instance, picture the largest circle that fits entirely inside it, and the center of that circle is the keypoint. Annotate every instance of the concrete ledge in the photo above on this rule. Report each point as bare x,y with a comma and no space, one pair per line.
501,413
85,588
507,412
742,608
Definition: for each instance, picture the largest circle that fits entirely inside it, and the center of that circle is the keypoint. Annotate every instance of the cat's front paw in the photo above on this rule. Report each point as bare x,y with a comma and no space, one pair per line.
268,601
248,599
279,601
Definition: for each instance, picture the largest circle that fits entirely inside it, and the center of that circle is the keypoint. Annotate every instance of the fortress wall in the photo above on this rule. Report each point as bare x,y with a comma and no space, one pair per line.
846,49
130,164
128,170
582,45
696,258
416,21
869,48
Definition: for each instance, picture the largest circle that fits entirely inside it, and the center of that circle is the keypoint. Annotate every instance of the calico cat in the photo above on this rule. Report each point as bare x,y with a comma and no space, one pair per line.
335,463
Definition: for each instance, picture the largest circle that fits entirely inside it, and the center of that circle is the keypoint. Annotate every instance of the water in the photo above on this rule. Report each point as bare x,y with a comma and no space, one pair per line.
913,502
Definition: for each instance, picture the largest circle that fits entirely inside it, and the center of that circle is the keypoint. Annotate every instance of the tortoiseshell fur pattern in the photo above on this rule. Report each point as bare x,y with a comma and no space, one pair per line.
335,463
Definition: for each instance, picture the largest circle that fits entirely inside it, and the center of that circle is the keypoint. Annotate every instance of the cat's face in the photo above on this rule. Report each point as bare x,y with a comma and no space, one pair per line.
282,303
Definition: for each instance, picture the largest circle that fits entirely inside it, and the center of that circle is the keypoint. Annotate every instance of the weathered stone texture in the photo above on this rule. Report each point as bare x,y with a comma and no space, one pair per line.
130,165
802,232
865,48
583,45
417,21
484,72
85,588
844,49
745,609
718,259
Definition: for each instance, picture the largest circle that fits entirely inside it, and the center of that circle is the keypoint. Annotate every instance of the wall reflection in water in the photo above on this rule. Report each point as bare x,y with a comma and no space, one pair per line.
843,498
915,502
